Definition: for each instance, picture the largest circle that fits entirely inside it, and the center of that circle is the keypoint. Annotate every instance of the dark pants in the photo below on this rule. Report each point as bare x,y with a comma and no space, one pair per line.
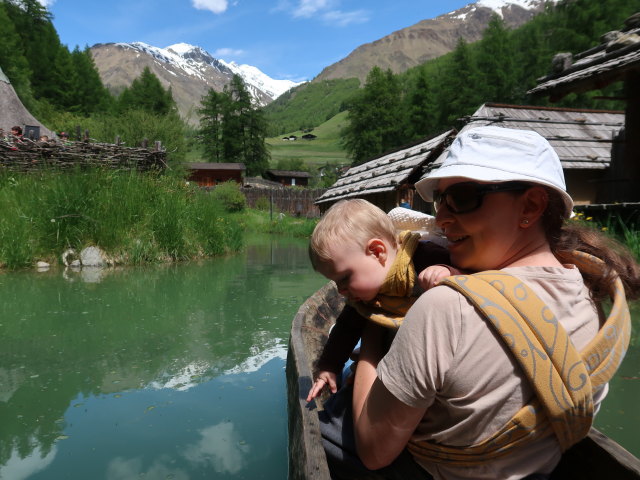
338,438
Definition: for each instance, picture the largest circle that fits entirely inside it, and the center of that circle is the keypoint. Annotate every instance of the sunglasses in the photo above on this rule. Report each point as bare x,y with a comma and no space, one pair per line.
466,197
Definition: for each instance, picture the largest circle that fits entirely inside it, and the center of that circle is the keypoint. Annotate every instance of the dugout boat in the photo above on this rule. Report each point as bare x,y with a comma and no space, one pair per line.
595,457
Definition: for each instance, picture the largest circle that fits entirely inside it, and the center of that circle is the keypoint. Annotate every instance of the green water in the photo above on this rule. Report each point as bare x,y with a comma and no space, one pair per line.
172,372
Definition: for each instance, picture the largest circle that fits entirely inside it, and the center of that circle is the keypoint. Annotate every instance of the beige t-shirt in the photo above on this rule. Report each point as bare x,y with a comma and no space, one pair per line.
447,359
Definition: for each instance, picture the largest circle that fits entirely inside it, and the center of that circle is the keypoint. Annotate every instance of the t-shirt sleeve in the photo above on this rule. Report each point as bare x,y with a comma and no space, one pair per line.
423,351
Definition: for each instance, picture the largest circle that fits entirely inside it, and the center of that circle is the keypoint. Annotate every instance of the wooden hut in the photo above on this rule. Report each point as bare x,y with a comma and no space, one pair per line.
210,174
388,179
616,59
289,177
583,139
13,112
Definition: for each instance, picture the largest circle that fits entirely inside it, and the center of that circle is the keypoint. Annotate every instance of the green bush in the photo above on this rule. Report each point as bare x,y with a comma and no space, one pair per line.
229,194
263,204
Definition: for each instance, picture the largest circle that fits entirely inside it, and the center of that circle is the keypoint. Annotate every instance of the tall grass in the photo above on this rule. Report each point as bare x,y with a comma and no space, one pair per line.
134,217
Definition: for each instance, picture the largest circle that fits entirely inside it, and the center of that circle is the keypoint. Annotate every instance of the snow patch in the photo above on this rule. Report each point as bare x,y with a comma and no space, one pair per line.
193,60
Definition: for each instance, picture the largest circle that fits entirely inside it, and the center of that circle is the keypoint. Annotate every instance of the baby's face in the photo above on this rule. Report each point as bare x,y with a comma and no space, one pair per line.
358,271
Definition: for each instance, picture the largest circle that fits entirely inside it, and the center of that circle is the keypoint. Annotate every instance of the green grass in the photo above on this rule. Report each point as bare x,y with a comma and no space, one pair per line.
134,217
326,148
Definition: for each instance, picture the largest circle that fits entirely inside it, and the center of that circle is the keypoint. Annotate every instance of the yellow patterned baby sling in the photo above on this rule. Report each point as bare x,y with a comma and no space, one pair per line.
391,304
563,378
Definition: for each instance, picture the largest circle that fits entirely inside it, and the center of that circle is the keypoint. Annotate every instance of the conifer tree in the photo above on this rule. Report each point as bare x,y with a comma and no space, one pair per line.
421,106
147,93
458,94
211,114
495,63
12,60
232,129
375,117
89,94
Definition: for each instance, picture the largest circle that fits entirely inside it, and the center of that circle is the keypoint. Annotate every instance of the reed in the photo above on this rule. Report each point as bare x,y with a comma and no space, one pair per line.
136,218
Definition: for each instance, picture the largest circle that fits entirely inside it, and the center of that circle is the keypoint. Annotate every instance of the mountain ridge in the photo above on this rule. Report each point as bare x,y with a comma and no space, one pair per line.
190,71
430,38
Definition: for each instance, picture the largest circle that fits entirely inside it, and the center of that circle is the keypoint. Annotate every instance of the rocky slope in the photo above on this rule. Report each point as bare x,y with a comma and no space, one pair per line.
190,72
430,38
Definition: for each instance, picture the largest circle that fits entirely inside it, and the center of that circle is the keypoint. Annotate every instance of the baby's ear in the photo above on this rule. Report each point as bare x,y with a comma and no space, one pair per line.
377,247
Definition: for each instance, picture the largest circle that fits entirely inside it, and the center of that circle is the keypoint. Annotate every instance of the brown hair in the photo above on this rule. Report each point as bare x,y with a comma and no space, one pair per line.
564,238
354,220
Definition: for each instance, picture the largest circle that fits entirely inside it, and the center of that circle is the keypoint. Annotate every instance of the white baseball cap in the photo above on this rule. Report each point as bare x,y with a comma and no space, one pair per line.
497,154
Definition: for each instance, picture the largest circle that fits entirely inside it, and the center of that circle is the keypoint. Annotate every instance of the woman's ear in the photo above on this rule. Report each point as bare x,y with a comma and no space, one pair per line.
378,248
534,204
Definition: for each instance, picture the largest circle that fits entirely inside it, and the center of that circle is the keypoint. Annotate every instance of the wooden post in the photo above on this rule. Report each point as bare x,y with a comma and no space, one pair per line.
78,132
145,142
632,136
86,135
158,145
118,140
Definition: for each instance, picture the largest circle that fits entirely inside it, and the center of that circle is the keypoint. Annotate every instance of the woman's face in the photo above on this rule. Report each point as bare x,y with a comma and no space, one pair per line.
488,237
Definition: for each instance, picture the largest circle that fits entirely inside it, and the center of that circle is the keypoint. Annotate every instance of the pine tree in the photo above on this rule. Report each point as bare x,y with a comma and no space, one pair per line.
211,114
12,61
232,129
375,117
147,93
421,106
89,94
495,63
458,93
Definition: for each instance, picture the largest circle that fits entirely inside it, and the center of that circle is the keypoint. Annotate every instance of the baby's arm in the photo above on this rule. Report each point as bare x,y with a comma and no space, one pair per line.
324,378
430,276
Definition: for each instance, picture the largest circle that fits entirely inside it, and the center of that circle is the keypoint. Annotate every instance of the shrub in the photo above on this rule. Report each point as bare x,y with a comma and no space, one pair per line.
229,194
263,204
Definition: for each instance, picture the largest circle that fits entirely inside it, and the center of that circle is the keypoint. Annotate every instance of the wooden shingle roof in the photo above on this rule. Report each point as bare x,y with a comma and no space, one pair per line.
214,166
385,173
581,138
608,62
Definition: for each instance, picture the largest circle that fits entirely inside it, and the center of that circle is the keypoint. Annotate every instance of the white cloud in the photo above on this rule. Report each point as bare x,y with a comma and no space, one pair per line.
18,467
123,469
216,6
308,8
220,447
46,3
228,53
342,19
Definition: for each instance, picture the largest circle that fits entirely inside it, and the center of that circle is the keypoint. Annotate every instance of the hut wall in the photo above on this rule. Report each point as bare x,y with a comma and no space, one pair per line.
583,185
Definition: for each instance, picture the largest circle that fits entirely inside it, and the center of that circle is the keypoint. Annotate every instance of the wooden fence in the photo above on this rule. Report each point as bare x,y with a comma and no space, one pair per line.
28,155
291,201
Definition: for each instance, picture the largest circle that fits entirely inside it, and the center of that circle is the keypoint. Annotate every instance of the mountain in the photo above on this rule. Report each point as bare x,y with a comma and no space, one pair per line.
188,70
430,38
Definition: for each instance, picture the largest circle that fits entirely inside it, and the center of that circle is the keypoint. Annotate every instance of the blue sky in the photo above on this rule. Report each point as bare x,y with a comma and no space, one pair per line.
286,39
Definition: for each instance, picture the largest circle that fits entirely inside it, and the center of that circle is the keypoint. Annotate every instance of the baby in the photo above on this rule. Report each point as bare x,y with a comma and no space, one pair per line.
355,244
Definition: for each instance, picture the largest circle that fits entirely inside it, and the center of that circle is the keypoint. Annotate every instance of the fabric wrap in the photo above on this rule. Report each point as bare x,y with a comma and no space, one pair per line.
563,379
394,298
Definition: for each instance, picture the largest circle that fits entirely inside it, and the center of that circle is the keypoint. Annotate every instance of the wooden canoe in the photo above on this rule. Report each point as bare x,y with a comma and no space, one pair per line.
595,457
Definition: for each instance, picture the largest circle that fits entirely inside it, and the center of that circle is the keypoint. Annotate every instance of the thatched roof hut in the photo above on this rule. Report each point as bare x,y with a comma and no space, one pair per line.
13,112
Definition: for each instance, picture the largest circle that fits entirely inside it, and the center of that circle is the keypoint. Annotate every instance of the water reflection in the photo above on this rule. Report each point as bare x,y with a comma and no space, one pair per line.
151,370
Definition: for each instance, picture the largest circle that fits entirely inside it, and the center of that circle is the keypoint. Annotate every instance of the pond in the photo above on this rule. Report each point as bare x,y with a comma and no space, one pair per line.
171,372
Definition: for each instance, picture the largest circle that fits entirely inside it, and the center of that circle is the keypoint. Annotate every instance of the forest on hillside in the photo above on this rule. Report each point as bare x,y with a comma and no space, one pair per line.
394,109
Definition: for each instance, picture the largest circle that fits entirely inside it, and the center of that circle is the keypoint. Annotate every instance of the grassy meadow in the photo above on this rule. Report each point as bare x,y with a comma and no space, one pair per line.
326,148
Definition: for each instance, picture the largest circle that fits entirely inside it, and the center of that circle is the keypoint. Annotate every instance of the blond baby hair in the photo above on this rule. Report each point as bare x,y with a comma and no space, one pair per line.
356,221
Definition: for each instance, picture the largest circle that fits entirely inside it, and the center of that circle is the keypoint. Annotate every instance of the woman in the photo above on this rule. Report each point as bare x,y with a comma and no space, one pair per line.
453,387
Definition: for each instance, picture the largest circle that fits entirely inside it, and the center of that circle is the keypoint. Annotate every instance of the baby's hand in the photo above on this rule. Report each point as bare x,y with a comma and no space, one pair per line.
431,275
324,378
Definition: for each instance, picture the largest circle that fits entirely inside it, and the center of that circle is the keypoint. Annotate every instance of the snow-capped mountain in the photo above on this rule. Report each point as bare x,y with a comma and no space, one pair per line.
189,70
